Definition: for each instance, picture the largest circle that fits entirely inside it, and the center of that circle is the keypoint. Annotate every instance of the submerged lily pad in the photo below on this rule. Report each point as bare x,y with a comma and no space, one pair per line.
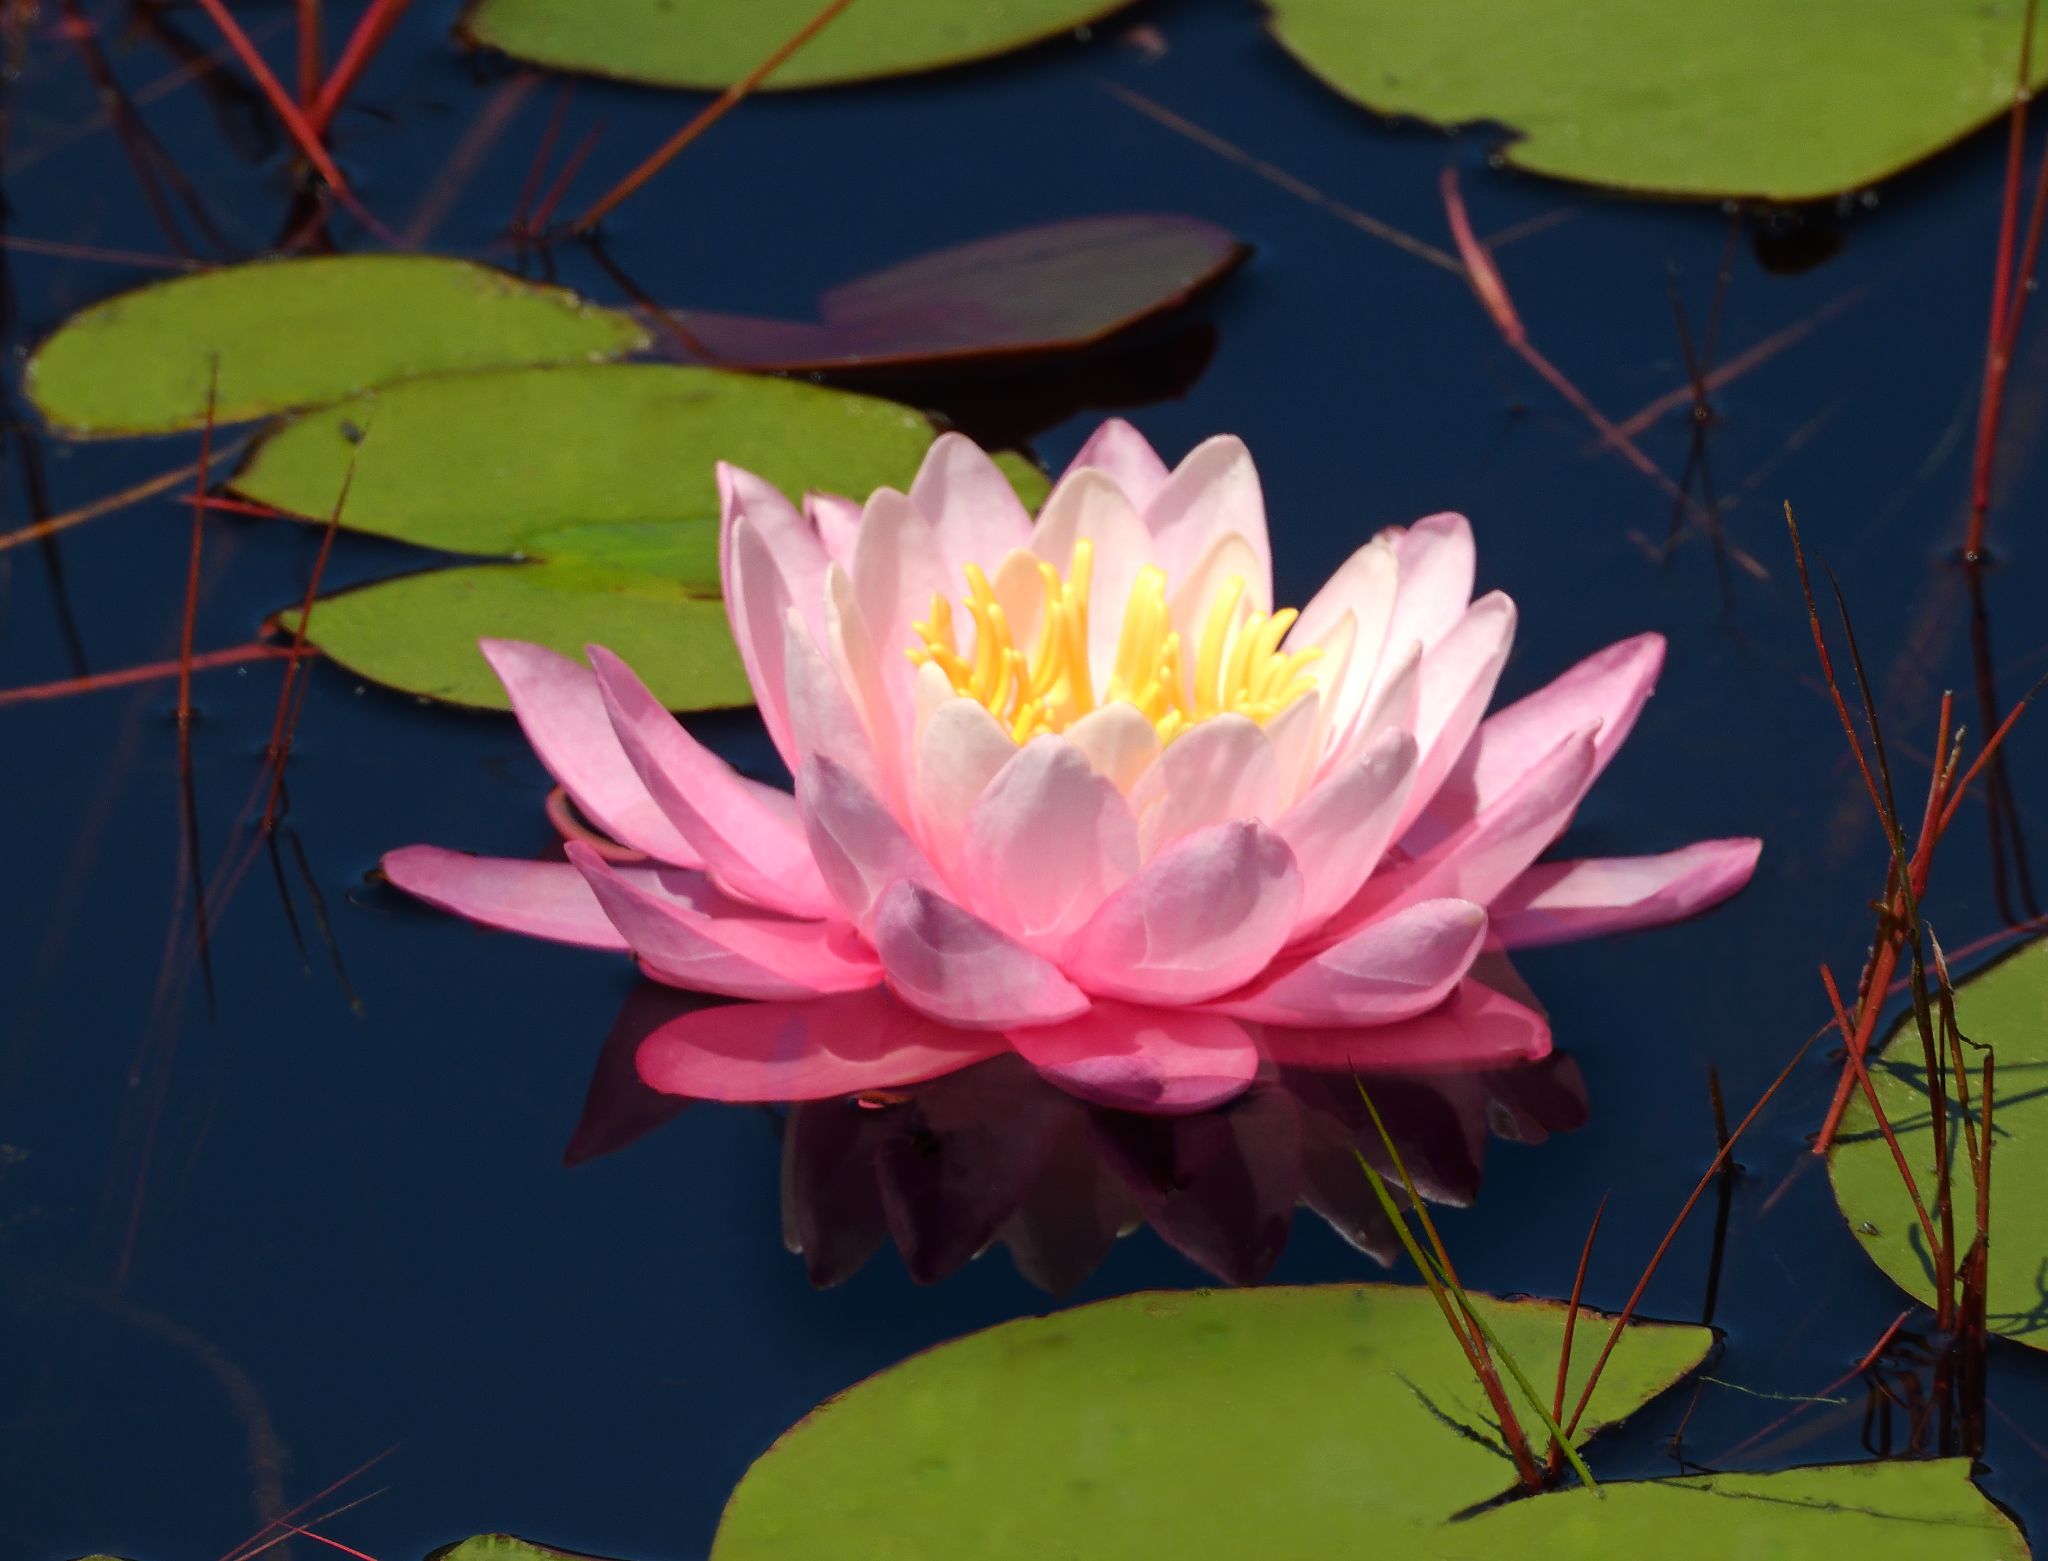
713,43
1339,1420
298,333
599,481
1747,98
1275,1421
1058,287
2005,1007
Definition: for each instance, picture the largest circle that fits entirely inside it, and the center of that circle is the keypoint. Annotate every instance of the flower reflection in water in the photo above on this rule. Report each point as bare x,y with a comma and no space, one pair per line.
982,1147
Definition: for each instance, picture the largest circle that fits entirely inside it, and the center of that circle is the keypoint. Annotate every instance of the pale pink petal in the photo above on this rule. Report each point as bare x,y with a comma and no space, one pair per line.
811,1050
540,899
1166,1061
1192,594
880,687
958,754
1088,506
1560,901
1458,676
973,509
1438,562
1477,1029
1392,703
897,569
1211,494
1120,450
758,605
859,847
1610,687
1341,829
746,834
561,710
1480,860
836,520
1218,770
1390,969
1364,586
1295,735
956,967
792,541
1118,742
732,954
1047,842
1202,918
821,715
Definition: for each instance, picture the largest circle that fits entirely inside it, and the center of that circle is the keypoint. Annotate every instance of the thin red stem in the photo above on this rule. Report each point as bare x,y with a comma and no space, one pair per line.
295,122
370,32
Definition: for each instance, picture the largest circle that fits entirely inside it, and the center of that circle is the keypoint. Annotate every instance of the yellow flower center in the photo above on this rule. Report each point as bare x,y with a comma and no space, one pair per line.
1238,665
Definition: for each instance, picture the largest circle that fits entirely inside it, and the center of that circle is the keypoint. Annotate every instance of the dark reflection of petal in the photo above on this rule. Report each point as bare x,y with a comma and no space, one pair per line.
955,1140
619,1107
1219,1187
966,1152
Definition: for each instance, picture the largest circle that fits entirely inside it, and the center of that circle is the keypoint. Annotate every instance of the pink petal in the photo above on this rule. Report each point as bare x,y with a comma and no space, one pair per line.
1458,676
540,899
758,605
736,955
1168,1061
957,968
1438,561
746,834
1610,687
1119,743
836,520
1341,829
1211,494
856,842
974,510
881,687
958,754
1560,901
1087,505
1203,917
1218,770
791,540
1390,969
1121,451
1048,840
561,710
821,715
1363,588
805,1051
1480,860
1477,1028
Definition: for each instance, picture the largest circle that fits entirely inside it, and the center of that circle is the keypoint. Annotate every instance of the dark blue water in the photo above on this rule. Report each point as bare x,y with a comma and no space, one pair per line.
251,1248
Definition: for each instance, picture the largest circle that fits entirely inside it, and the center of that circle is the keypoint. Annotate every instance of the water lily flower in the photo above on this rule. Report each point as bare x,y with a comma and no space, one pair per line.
1041,767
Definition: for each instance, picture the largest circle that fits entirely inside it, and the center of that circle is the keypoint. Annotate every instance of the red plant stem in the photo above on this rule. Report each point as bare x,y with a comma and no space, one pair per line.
295,122
2006,302
205,660
1555,1463
191,614
309,52
148,488
712,113
286,722
543,154
1870,1358
1700,1187
229,506
362,46
560,186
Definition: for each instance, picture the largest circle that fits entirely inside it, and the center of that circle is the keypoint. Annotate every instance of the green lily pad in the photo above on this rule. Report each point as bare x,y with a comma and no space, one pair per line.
298,333
1272,1421
1872,1511
505,1547
2005,1007
713,43
1747,98
483,463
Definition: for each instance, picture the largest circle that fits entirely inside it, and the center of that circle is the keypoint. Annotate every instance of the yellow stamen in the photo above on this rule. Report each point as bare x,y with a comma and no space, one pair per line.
1047,684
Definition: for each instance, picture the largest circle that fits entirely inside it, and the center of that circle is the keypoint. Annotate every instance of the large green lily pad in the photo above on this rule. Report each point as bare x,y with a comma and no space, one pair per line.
1744,98
2005,1007
1273,1421
482,463
713,43
298,333
599,482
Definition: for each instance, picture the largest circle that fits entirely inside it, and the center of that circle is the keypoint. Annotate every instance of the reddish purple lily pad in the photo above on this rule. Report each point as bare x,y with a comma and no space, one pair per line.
1055,288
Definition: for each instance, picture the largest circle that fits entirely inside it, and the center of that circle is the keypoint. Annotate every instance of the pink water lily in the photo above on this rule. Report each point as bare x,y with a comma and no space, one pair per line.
1045,766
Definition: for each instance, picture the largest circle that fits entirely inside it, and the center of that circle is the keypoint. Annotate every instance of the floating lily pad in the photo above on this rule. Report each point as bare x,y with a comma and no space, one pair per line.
298,333
599,480
483,463
505,1547
1747,98
1274,1421
713,43
1054,288
2005,1007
